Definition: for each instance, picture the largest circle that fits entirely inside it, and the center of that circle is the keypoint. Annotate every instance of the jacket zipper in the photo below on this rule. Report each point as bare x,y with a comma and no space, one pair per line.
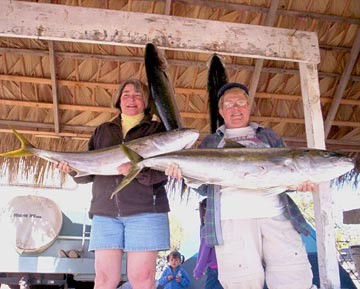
116,201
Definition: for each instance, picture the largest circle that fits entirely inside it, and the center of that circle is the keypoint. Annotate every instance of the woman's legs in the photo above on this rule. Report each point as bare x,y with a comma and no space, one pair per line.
141,267
107,268
145,235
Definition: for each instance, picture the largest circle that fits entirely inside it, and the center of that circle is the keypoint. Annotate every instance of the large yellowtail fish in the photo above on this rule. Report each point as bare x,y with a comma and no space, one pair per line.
271,170
105,161
161,89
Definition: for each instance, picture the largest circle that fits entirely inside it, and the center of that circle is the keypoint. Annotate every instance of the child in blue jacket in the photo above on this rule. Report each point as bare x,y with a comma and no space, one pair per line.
174,275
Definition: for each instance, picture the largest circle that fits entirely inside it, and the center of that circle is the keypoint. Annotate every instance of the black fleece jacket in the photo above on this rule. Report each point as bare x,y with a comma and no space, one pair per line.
145,194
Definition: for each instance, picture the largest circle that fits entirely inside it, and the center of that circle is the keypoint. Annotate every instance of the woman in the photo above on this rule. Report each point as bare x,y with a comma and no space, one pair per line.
136,219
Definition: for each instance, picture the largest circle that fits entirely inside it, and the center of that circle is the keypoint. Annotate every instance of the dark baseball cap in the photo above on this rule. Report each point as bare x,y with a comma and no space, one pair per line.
232,85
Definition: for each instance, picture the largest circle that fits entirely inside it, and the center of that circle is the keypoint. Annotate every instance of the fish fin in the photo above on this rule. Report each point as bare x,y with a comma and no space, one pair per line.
134,171
135,158
229,143
22,151
279,160
174,185
80,173
192,183
268,192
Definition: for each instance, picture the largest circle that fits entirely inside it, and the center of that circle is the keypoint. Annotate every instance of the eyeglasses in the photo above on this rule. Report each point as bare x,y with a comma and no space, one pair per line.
239,102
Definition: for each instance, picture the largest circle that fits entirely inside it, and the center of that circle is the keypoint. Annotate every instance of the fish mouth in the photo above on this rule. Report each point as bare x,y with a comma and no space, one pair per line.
345,160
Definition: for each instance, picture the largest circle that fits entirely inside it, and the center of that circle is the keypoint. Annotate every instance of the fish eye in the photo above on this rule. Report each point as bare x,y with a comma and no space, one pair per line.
326,154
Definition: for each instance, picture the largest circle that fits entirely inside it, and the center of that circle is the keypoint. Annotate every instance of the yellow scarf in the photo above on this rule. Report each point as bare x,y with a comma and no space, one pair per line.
129,121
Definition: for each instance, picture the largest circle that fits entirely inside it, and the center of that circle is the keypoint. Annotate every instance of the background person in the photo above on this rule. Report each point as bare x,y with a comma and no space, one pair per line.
255,236
174,275
136,220
206,262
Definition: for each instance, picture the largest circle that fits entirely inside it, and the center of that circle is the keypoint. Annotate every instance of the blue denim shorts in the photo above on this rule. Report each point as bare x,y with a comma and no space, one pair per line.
142,232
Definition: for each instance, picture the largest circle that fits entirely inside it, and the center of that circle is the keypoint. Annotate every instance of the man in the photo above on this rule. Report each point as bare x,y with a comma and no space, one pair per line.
256,237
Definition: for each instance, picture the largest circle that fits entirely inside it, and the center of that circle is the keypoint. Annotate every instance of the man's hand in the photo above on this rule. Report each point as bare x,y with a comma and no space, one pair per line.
307,187
173,171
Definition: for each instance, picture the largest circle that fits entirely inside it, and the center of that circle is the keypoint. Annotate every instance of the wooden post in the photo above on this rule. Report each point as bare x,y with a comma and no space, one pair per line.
325,231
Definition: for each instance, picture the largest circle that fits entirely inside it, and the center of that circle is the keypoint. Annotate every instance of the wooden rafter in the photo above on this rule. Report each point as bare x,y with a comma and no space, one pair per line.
175,62
344,79
259,9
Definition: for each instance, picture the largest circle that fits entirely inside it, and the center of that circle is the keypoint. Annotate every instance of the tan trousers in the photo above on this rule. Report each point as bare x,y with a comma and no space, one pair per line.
252,244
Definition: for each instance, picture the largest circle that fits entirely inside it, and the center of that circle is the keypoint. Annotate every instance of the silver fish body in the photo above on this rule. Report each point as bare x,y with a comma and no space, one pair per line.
254,169
105,161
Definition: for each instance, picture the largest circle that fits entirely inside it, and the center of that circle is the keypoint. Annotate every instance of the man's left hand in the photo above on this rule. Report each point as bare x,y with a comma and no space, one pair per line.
307,187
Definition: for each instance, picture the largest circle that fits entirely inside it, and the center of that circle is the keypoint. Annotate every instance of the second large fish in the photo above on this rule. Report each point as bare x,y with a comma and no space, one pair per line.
270,169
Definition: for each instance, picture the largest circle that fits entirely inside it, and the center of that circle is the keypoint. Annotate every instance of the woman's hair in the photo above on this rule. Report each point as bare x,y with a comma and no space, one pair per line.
175,254
139,86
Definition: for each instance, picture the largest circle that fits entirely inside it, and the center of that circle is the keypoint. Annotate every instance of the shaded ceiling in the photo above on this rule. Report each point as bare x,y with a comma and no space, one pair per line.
56,92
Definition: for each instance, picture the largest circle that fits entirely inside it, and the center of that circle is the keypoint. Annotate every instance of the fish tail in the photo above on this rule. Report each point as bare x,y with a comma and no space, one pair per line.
351,177
23,151
135,158
217,77
161,89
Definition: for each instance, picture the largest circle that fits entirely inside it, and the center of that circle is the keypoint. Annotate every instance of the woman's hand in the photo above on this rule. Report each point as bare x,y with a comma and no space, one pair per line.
173,171
124,168
63,166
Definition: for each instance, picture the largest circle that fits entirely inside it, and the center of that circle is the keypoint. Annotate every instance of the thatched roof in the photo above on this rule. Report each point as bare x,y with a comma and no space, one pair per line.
56,88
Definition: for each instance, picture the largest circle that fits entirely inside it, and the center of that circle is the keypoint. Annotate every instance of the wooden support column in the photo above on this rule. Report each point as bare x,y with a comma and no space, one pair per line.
54,86
325,231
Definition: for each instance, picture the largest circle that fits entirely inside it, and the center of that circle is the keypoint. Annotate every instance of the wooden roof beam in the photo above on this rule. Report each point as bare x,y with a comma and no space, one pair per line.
79,24
259,63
